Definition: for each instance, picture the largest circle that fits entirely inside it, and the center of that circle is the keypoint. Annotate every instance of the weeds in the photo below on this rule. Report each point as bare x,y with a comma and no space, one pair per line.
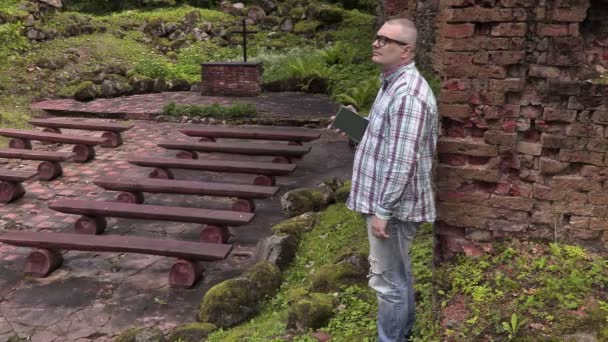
237,110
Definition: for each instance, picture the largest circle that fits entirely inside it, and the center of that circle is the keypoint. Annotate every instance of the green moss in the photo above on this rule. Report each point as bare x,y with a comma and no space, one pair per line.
333,277
295,226
229,303
266,278
86,91
192,332
128,335
297,13
300,201
306,27
342,193
311,311
330,15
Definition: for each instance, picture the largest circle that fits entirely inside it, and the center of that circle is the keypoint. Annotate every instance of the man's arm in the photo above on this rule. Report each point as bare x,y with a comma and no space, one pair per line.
407,119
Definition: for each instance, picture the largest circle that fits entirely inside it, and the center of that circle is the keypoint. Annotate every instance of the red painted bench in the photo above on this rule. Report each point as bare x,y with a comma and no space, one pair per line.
133,188
283,153
94,213
10,184
278,133
111,130
49,168
266,171
47,257
83,151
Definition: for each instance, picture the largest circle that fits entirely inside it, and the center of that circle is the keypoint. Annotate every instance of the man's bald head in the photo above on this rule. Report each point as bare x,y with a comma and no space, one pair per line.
409,33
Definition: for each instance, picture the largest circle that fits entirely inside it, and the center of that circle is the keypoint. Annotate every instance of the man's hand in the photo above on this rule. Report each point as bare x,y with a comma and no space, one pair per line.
379,228
332,118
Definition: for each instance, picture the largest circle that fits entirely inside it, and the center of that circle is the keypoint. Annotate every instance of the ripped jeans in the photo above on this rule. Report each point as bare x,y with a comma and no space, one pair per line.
391,277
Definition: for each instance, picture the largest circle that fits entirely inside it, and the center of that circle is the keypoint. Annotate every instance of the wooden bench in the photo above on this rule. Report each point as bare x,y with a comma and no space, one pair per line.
132,190
94,213
49,168
10,184
111,130
213,132
47,256
283,153
266,171
83,151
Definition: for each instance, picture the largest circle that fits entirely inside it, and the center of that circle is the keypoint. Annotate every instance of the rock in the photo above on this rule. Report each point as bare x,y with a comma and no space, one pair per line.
330,15
297,13
277,249
286,25
256,14
171,27
199,34
184,118
52,3
333,183
53,64
155,27
177,35
29,21
206,27
341,195
192,17
296,226
311,311
268,6
270,22
229,303
220,32
266,277
128,335
192,332
30,7
300,201
115,86
150,335
178,85
116,69
142,84
86,91
352,269
321,336
306,27
35,34
236,9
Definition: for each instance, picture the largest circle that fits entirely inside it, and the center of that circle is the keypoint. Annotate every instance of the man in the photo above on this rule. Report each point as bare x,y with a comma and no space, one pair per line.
391,182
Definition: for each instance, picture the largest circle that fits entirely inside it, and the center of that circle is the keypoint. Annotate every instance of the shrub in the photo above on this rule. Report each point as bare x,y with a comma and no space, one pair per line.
237,110
11,39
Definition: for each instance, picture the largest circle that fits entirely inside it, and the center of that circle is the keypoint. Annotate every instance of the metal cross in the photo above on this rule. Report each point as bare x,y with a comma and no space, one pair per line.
245,33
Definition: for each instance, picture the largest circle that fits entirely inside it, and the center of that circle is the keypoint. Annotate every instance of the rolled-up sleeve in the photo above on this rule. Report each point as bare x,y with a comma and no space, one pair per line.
407,118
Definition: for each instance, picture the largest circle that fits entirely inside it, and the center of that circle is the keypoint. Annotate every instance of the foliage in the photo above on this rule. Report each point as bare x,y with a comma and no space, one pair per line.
513,327
237,110
362,96
154,66
11,39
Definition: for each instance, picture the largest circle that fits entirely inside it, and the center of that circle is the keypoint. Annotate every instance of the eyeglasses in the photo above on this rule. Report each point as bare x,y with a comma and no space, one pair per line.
383,40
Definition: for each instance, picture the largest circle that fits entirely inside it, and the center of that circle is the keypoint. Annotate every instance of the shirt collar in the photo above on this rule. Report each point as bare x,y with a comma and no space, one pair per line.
389,75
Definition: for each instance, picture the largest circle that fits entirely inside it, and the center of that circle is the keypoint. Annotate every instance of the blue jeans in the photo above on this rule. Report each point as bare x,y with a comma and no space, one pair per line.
392,279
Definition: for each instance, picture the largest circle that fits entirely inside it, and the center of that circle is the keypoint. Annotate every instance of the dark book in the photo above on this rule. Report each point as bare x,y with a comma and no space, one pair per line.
351,123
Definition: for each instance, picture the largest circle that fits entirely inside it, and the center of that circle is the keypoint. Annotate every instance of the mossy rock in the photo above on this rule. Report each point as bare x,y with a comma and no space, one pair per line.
229,303
300,201
333,183
306,27
192,332
270,22
128,335
142,84
296,226
352,269
266,278
329,15
86,91
297,13
341,195
155,27
312,311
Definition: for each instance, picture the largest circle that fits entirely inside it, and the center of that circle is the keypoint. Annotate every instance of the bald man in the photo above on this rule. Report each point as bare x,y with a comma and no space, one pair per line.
391,182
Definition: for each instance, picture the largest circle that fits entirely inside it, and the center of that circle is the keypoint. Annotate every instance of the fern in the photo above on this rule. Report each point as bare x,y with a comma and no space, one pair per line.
362,96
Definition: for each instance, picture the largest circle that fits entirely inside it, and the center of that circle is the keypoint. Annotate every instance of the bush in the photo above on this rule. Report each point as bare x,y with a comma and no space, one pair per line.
11,39
237,110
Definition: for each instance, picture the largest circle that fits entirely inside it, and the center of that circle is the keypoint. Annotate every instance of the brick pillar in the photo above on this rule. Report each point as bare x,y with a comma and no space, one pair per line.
523,145
232,79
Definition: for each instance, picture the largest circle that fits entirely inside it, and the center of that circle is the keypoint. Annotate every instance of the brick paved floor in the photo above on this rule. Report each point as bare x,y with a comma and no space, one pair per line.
94,296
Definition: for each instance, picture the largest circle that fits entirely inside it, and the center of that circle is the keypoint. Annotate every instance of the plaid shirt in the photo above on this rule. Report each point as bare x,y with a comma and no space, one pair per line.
392,165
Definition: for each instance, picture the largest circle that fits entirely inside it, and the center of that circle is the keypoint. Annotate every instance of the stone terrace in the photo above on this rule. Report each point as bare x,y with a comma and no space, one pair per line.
94,296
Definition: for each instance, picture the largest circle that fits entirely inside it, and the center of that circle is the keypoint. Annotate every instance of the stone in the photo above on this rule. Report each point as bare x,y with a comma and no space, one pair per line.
466,147
534,149
300,201
256,14
511,202
268,6
297,225
115,86
200,35
551,166
277,249
155,27
310,311
548,193
543,71
86,91
192,17
191,332
265,277
575,183
341,195
286,25
348,269
577,156
229,303
52,3
142,84
500,138
458,30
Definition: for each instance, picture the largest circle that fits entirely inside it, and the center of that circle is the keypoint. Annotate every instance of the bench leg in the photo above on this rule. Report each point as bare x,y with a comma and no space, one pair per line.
184,274
49,170
187,155
41,262
214,234
113,139
161,173
281,160
243,205
10,191
92,225
131,197
20,143
264,180
83,153
206,139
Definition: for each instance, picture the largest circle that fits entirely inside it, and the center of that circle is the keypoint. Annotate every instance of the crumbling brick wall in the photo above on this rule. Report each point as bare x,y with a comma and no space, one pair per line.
524,133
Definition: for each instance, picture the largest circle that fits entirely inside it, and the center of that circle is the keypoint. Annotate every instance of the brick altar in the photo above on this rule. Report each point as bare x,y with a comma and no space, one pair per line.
232,79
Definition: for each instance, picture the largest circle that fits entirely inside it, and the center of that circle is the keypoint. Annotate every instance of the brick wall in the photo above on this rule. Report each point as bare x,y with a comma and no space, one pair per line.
524,137
231,79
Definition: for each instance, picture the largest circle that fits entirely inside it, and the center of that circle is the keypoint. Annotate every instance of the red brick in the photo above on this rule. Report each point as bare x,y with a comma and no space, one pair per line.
508,84
558,141
578,129
600,116
481,14
511,202
550,166
543,71
488,98
504,111
506,57
454,111
469,148
559,114
569,14
552,30
509,30
587,157
457,58
546,193
575,183
459,31
598,224
529,148
454,96
463,197
491,71
507,226
500,138
453,159
598,198
482,43
598,145
456,84
480,173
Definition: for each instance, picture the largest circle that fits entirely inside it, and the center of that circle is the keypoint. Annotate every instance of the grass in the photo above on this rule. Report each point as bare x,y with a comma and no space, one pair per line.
237,110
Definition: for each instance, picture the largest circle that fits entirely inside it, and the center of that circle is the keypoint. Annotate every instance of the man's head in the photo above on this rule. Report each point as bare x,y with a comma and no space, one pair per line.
395,43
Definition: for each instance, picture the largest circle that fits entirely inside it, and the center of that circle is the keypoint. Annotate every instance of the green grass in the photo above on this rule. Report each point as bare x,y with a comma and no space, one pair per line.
236,110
